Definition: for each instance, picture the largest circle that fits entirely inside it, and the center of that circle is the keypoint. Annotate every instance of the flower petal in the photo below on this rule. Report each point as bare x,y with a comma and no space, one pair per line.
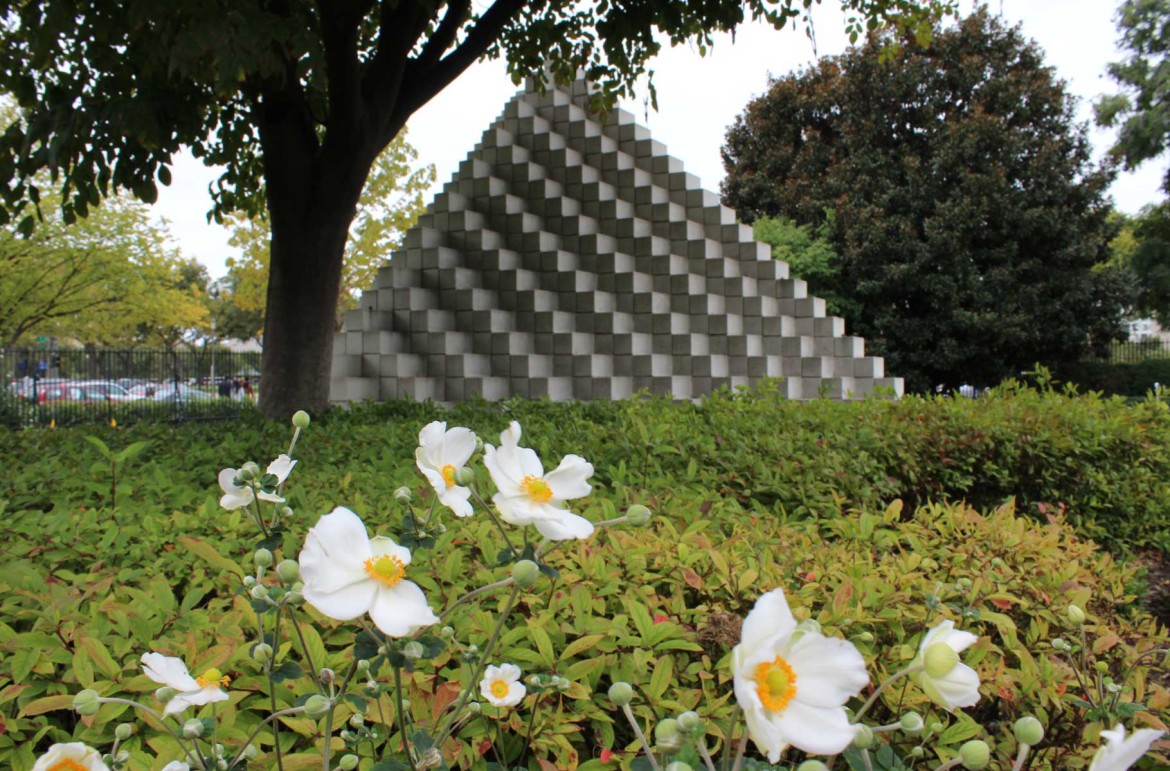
1119,753
564,527
344,602
816,730
457,499
169,671
829,671
569,480
335,552
399,610
769,621
281,467
381,544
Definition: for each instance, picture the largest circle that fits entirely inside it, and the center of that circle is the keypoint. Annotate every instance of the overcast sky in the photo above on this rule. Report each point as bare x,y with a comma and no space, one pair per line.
699,97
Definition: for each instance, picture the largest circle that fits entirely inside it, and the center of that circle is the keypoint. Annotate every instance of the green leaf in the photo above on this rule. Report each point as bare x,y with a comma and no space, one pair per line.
209,554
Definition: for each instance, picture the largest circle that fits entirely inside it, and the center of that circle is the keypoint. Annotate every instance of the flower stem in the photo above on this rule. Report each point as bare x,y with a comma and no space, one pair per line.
255,731
328,749
495,520
953,763
739,751
629,713
476,592
1021,756
402,717
701,743
877,692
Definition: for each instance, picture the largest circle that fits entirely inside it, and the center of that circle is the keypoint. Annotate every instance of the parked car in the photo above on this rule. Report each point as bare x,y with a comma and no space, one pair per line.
82,393
165,392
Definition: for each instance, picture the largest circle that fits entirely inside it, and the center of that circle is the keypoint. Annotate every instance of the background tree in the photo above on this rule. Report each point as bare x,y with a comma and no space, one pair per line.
391,203
296,99
968,216
1143,247
809,254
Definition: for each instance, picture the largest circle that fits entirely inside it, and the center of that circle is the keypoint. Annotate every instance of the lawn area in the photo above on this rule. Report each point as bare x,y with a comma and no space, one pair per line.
878,519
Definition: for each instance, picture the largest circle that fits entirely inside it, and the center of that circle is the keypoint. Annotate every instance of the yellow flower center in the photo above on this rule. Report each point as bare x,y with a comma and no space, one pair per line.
448,473
213,677
499,689
775,684
385,569
537,489
67,765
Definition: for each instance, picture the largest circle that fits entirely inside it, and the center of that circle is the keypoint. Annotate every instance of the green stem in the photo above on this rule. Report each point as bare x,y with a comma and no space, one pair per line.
255,731
305,650
1021,756
476,592
495,520
701,743
400,709
739,751
328,750
1133,665
629,713
877,692
955,763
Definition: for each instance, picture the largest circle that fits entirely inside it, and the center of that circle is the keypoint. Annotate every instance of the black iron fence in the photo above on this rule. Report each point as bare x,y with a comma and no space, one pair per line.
1135,351
62,387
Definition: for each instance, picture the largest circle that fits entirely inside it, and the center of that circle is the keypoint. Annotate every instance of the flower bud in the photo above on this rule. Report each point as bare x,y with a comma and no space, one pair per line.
301,419
917,752
912,723
123,731
250,471
638,515
474,707
262,558
447,632
678,765
327,675
347,762
465,476
249,581
667,736
250,752
317,706
1028,730
940,659
863,737
122,755
865,637
357,720
286,511
414,650
1058,643
402,494
812,765
690,722
964,583
478,444
404,703
87,702
1100,666
288,571
975,754
192,729
347,736
621,693
1075,615
363,666
262,653
526,573
165,694
259,592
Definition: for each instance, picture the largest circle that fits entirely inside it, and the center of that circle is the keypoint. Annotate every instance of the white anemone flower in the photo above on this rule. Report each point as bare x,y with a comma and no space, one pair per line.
793,687
237,496
501,685
528,496
176,765
441,453
947,682
346,573
73,756
189,691
1118,752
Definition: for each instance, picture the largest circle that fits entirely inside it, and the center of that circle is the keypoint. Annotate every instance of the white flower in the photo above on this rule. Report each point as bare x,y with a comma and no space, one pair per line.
441,453
793,687
190,691
347,573
176,765
948,682
501,685
528,496
1119,753
236,496
73,756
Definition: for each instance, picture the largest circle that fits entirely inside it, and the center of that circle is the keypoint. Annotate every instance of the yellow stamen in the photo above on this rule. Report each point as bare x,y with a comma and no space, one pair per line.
499,689
537,489
385,569
67,765
448,473
775,684
213,677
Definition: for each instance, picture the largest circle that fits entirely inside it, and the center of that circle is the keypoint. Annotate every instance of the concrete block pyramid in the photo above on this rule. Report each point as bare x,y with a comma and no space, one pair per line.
574,259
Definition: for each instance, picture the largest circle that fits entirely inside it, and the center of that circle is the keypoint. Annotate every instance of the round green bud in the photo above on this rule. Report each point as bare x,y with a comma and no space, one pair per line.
402,494
464,476
347,736
192,729
249,581
621,693
286,511
357,720
259,592
250,471
1028,730
262,558
812,765
121,757
638,515
525,573
404,703
250,752
865,637
165,694
1058,643
863,739
940,659
917,752
363,666
447,632
317,706
935,727
123,731
474,707
1075,615
288,571
348,762
690,722
1100,666
963,583
667,736
87,702
327,675
975,754
912,723
262,653
809,626
678,765
301,419
414,650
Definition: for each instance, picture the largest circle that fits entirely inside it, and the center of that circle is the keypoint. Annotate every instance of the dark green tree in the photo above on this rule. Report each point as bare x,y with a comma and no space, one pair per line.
1149,260
296,98
968,216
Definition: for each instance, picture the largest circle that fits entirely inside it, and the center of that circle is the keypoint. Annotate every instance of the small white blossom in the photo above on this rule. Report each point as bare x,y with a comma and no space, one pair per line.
190,691
501,685
237,496
73,756
441,453
1119,752
947,681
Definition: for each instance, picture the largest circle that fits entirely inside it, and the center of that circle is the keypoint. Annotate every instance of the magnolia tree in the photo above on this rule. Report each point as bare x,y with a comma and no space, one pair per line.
797,688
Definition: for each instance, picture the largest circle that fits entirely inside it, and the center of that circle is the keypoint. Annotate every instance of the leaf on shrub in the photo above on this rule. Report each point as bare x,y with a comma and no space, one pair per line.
581,644
543,644
1105,642
209,554
289,670
663,673
693,579
961,731
46,704
100,655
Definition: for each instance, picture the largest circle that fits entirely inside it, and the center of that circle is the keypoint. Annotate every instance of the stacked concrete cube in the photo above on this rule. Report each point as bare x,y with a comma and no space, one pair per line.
572,258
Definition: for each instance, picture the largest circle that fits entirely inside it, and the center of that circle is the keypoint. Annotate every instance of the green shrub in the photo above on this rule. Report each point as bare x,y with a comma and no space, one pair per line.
1116,378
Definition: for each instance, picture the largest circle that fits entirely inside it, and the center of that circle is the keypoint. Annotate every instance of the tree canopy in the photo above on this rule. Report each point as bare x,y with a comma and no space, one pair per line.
966,212
296,99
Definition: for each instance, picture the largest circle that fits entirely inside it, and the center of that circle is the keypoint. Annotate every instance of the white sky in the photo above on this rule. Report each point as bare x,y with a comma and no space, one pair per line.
698,98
